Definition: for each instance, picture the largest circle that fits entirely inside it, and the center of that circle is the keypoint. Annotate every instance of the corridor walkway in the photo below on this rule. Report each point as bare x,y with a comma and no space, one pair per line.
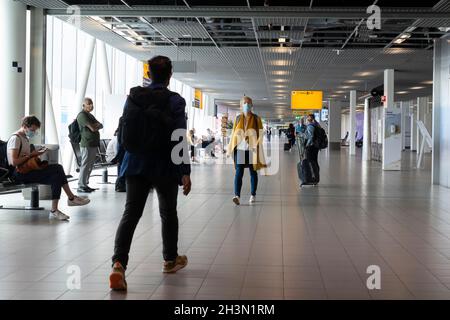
310,243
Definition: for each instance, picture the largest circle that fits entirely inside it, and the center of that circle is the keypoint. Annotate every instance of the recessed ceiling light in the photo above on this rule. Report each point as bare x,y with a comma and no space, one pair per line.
279,63
280,72
427,82
402,92
405,36
417,88
365,73
352,81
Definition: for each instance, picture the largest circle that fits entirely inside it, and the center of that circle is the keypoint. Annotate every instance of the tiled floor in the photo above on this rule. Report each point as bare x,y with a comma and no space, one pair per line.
311,243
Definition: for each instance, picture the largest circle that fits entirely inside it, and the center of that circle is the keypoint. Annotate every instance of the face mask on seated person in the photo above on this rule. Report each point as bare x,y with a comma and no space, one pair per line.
30,134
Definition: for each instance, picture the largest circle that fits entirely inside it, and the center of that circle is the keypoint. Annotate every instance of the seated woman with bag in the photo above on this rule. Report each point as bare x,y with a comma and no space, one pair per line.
29,168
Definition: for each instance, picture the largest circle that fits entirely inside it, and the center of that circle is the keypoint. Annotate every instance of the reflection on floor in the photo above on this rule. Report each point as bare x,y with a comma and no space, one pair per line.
311,243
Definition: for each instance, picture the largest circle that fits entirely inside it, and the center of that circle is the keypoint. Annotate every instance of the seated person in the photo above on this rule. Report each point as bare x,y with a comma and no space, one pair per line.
211,142
19,152
115,154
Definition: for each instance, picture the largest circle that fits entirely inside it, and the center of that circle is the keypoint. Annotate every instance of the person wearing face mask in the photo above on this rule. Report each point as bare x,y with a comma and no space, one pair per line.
90,141
246,148
19,152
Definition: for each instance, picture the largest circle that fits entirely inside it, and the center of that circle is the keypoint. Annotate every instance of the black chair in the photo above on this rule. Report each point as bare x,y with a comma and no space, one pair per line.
100,161
344,141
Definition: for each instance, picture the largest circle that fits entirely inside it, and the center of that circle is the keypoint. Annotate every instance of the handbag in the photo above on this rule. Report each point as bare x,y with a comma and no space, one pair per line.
32,164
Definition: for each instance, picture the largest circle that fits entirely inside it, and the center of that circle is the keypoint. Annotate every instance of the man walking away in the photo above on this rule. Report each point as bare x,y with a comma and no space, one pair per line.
312,147
90,141
152,167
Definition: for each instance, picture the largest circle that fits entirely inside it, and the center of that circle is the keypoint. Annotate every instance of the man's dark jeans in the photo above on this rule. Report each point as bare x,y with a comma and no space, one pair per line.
138,188
312,154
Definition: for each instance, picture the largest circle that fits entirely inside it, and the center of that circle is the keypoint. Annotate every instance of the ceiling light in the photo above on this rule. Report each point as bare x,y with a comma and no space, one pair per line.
365,74
417,88
402,92
280,63
280,73
427,82
277,80
405,36
352,81
399,40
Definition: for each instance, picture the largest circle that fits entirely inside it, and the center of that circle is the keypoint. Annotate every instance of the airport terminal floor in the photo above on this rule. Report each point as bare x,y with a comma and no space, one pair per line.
293,243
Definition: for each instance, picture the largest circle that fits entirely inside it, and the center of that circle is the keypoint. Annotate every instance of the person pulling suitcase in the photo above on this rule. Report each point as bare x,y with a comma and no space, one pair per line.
313,139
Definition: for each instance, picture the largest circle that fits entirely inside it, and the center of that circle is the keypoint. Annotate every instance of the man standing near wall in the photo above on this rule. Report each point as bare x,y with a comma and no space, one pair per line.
90,142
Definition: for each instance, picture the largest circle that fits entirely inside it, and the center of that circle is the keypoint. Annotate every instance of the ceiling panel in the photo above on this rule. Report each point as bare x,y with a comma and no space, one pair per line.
179,30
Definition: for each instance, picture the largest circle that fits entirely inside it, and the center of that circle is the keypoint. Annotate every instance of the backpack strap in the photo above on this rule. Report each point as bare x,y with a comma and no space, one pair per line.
20,139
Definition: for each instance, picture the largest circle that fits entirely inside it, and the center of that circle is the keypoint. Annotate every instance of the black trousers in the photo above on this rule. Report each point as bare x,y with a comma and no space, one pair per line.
52,175
312,154
138,188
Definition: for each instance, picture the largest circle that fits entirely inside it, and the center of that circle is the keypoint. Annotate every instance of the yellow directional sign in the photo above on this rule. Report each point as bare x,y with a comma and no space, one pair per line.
306,100
300,113
198,99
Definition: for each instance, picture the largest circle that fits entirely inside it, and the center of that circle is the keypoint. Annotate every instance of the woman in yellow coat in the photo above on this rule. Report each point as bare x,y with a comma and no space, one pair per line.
246,148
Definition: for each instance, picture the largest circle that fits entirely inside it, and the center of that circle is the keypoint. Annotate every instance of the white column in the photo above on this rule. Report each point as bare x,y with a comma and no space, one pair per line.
334,125
405,114
441,112
413,113
37,68
80,95
104,68
367,141
12,79
392,138
352,122
421,105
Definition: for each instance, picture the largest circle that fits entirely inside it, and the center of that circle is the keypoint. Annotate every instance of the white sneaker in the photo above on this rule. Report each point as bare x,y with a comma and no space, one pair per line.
77,201
58,215
236,200
252,199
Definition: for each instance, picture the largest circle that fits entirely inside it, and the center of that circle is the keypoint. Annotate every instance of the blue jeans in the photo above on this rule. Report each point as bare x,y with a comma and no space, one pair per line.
238,179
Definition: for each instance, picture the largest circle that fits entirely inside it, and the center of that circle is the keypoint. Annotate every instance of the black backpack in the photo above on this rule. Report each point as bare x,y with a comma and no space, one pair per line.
146,128
4,164
74,132
321,139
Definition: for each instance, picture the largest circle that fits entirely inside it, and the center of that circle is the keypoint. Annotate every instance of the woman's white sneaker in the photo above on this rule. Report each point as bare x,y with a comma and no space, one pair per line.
252,199
58,215
78,201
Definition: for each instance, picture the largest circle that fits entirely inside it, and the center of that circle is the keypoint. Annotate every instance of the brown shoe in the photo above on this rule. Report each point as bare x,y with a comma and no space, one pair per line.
173,266
117,278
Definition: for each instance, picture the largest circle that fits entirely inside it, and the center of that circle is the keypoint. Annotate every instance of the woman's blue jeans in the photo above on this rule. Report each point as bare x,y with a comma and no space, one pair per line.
238,179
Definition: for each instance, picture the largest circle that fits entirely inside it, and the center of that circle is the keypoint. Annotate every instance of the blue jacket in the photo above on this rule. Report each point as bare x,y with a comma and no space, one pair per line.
152,166
310,134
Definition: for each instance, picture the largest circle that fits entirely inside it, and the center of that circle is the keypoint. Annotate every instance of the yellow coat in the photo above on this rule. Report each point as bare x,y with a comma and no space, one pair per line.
254,134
